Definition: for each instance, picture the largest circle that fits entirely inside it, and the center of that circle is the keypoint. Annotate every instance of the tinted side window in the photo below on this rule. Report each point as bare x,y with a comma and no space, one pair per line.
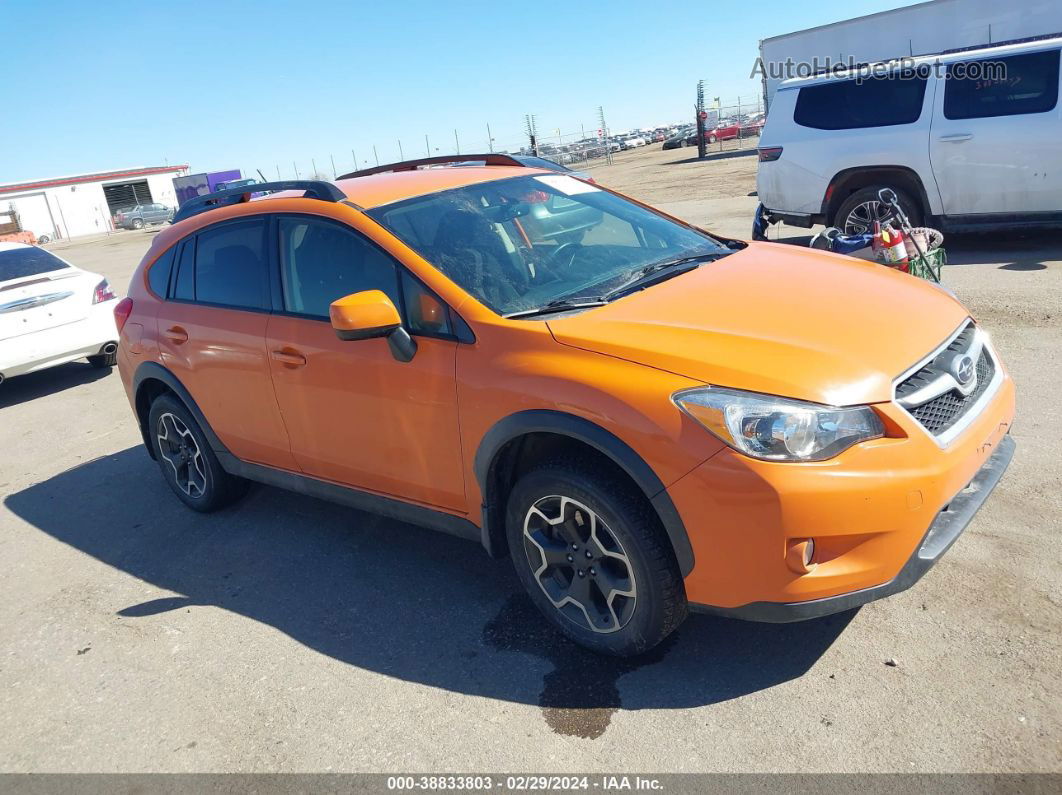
230,266
1002,86
322,261
159,273
873,102
184,283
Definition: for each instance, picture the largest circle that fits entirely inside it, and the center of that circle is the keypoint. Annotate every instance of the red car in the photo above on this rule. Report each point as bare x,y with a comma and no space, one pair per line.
723,131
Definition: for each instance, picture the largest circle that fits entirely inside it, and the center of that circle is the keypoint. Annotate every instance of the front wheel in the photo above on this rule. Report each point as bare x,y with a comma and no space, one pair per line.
594,558
857,213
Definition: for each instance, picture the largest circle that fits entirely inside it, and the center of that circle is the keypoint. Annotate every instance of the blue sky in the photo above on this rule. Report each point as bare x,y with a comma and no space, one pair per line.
235,84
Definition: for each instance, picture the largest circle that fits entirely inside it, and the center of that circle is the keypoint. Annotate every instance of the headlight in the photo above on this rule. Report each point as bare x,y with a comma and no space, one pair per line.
778,429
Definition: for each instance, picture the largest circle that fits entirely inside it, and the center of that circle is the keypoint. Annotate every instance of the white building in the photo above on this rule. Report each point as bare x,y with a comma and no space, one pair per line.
67,207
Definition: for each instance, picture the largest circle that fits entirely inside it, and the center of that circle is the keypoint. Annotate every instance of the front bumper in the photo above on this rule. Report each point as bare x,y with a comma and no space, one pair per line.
945,529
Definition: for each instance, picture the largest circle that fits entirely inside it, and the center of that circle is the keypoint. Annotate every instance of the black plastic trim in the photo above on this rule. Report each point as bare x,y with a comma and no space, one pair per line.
354,498
942,533
547,421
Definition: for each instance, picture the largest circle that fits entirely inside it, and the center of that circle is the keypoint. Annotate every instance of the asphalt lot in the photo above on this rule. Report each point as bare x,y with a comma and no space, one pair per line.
286,634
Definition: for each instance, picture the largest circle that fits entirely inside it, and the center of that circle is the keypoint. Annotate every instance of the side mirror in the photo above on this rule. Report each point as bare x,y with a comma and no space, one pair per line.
370,314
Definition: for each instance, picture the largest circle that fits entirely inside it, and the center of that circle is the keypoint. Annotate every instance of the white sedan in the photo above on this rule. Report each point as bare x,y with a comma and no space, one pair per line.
52,313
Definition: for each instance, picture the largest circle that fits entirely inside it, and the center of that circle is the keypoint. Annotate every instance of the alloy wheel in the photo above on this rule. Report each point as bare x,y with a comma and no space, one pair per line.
179,449
860,220
579,564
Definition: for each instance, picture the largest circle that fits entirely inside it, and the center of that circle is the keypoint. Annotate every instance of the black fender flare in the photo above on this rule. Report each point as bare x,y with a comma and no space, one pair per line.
601,440
155,371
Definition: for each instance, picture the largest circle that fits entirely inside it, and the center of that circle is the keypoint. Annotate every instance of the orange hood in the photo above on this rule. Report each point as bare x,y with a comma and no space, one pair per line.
778,319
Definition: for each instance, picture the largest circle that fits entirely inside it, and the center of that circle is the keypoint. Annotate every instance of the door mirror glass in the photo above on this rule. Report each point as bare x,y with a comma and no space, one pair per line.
364,315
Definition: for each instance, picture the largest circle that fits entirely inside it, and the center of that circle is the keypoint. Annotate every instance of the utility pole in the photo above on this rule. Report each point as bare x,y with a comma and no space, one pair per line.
278,171
604,134
313,164
296,169
532,133
490,138
376,157
334,172
400,155
427,146
457,143
355,159
702,147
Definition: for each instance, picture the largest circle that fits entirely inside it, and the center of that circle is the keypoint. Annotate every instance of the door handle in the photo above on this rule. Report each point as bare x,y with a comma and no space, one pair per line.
289,358
176,335
955,138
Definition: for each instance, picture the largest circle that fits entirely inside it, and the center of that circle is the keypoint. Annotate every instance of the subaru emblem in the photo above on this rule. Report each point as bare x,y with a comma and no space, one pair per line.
962,367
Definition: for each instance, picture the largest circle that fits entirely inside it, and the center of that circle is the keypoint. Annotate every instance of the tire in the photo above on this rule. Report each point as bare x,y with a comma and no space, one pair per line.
197,479
857,212
138,223
711,139
682,143
568,513
102,360
44,239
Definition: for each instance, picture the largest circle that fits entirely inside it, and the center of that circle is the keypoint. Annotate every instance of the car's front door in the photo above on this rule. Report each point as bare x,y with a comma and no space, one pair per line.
354,413
994,143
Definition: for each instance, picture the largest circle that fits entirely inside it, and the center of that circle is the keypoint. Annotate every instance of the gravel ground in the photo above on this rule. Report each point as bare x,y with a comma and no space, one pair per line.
292,635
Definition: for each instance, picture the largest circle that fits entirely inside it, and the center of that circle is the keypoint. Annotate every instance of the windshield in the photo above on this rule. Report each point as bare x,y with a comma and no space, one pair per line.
524,242
17,263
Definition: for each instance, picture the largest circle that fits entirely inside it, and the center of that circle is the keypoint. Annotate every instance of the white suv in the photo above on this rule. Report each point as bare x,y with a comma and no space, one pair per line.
967,140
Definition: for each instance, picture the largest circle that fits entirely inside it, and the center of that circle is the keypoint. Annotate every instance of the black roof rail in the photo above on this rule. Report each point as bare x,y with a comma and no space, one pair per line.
315,189
490,159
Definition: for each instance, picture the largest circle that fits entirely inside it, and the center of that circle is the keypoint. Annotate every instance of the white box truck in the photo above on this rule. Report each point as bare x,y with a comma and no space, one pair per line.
923,29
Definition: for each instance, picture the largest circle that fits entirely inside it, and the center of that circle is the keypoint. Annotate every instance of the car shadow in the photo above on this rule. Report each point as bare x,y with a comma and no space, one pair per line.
24,388
394,598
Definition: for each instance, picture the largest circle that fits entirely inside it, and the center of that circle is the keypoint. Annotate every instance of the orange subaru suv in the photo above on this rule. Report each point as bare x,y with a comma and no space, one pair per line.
647,418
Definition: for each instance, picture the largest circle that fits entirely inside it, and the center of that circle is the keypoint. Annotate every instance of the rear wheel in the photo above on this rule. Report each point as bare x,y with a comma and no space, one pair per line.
187,463
594,558
138,223
857,213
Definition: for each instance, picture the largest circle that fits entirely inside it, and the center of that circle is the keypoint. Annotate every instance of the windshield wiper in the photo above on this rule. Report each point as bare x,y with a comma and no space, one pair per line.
659,271
560,305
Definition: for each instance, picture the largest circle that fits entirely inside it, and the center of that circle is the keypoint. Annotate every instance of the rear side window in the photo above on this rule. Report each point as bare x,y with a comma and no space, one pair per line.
1009,86
850,105
230,266
159,272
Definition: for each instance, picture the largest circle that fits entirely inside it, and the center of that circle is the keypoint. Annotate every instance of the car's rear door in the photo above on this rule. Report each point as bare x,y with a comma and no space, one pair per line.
212,337
355,414
994,143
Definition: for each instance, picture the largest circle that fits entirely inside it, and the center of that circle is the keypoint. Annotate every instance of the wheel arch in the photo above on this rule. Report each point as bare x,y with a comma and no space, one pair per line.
498,458
849,180
150,380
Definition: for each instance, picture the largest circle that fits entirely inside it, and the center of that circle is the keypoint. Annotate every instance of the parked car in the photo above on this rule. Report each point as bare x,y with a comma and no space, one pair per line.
680,139
753,125
141,215
571,379
961,150
723,131
52,313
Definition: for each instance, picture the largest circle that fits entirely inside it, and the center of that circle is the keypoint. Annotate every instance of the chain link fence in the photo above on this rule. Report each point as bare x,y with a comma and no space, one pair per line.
730,126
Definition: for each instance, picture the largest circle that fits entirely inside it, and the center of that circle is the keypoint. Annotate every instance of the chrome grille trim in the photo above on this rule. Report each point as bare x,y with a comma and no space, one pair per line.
931,394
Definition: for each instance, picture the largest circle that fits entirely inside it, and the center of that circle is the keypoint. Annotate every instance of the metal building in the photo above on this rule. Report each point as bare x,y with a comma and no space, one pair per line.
84,204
